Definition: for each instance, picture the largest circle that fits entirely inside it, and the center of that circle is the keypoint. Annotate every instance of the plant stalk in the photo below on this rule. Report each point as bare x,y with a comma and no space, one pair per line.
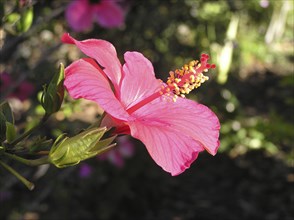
35,162
27,183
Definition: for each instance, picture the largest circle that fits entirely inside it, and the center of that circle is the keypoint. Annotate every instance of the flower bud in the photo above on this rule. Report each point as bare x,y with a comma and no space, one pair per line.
70,151
53,95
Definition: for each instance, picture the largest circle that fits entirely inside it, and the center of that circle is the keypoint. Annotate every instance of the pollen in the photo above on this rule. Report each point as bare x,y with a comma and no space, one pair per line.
182,81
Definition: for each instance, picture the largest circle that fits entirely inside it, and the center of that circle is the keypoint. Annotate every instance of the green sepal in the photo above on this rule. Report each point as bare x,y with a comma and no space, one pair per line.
10,132
100,145
52,96
70,151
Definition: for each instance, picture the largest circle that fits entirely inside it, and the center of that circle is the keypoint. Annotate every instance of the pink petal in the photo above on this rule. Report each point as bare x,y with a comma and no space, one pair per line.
139,79
84,80
187,117
202,124
108,14
78,16
172,150
104,53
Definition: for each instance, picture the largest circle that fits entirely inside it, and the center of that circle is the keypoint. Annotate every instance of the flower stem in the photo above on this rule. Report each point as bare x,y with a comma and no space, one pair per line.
36,162
27,183
26,134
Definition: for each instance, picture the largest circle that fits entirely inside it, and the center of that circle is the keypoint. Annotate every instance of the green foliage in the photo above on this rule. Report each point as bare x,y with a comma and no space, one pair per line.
39,143
7,129
20,20
26,20
5,109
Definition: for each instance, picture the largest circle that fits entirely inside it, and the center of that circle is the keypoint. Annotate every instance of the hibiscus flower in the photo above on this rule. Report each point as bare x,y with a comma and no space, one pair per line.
174,130
80,14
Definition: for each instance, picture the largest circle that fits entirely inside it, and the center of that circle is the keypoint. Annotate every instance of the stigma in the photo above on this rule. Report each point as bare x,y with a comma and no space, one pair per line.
182,81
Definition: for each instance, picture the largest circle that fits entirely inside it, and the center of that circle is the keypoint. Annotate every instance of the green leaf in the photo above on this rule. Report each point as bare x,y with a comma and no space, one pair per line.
10,132
7,112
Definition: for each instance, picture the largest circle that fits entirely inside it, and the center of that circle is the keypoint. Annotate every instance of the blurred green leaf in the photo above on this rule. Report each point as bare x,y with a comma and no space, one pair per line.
26,20
13,18
7,112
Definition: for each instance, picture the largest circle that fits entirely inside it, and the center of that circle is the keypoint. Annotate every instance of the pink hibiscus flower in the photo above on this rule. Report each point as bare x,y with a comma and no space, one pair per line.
138,104
80,14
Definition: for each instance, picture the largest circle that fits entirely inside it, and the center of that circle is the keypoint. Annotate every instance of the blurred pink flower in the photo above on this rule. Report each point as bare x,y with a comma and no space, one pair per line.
85,170
80,14
23,3
124,149
22,92
264,3
138,104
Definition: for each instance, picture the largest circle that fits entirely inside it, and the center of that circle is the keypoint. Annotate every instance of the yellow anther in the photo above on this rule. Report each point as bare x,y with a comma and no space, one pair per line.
177,80
175,98
190,76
